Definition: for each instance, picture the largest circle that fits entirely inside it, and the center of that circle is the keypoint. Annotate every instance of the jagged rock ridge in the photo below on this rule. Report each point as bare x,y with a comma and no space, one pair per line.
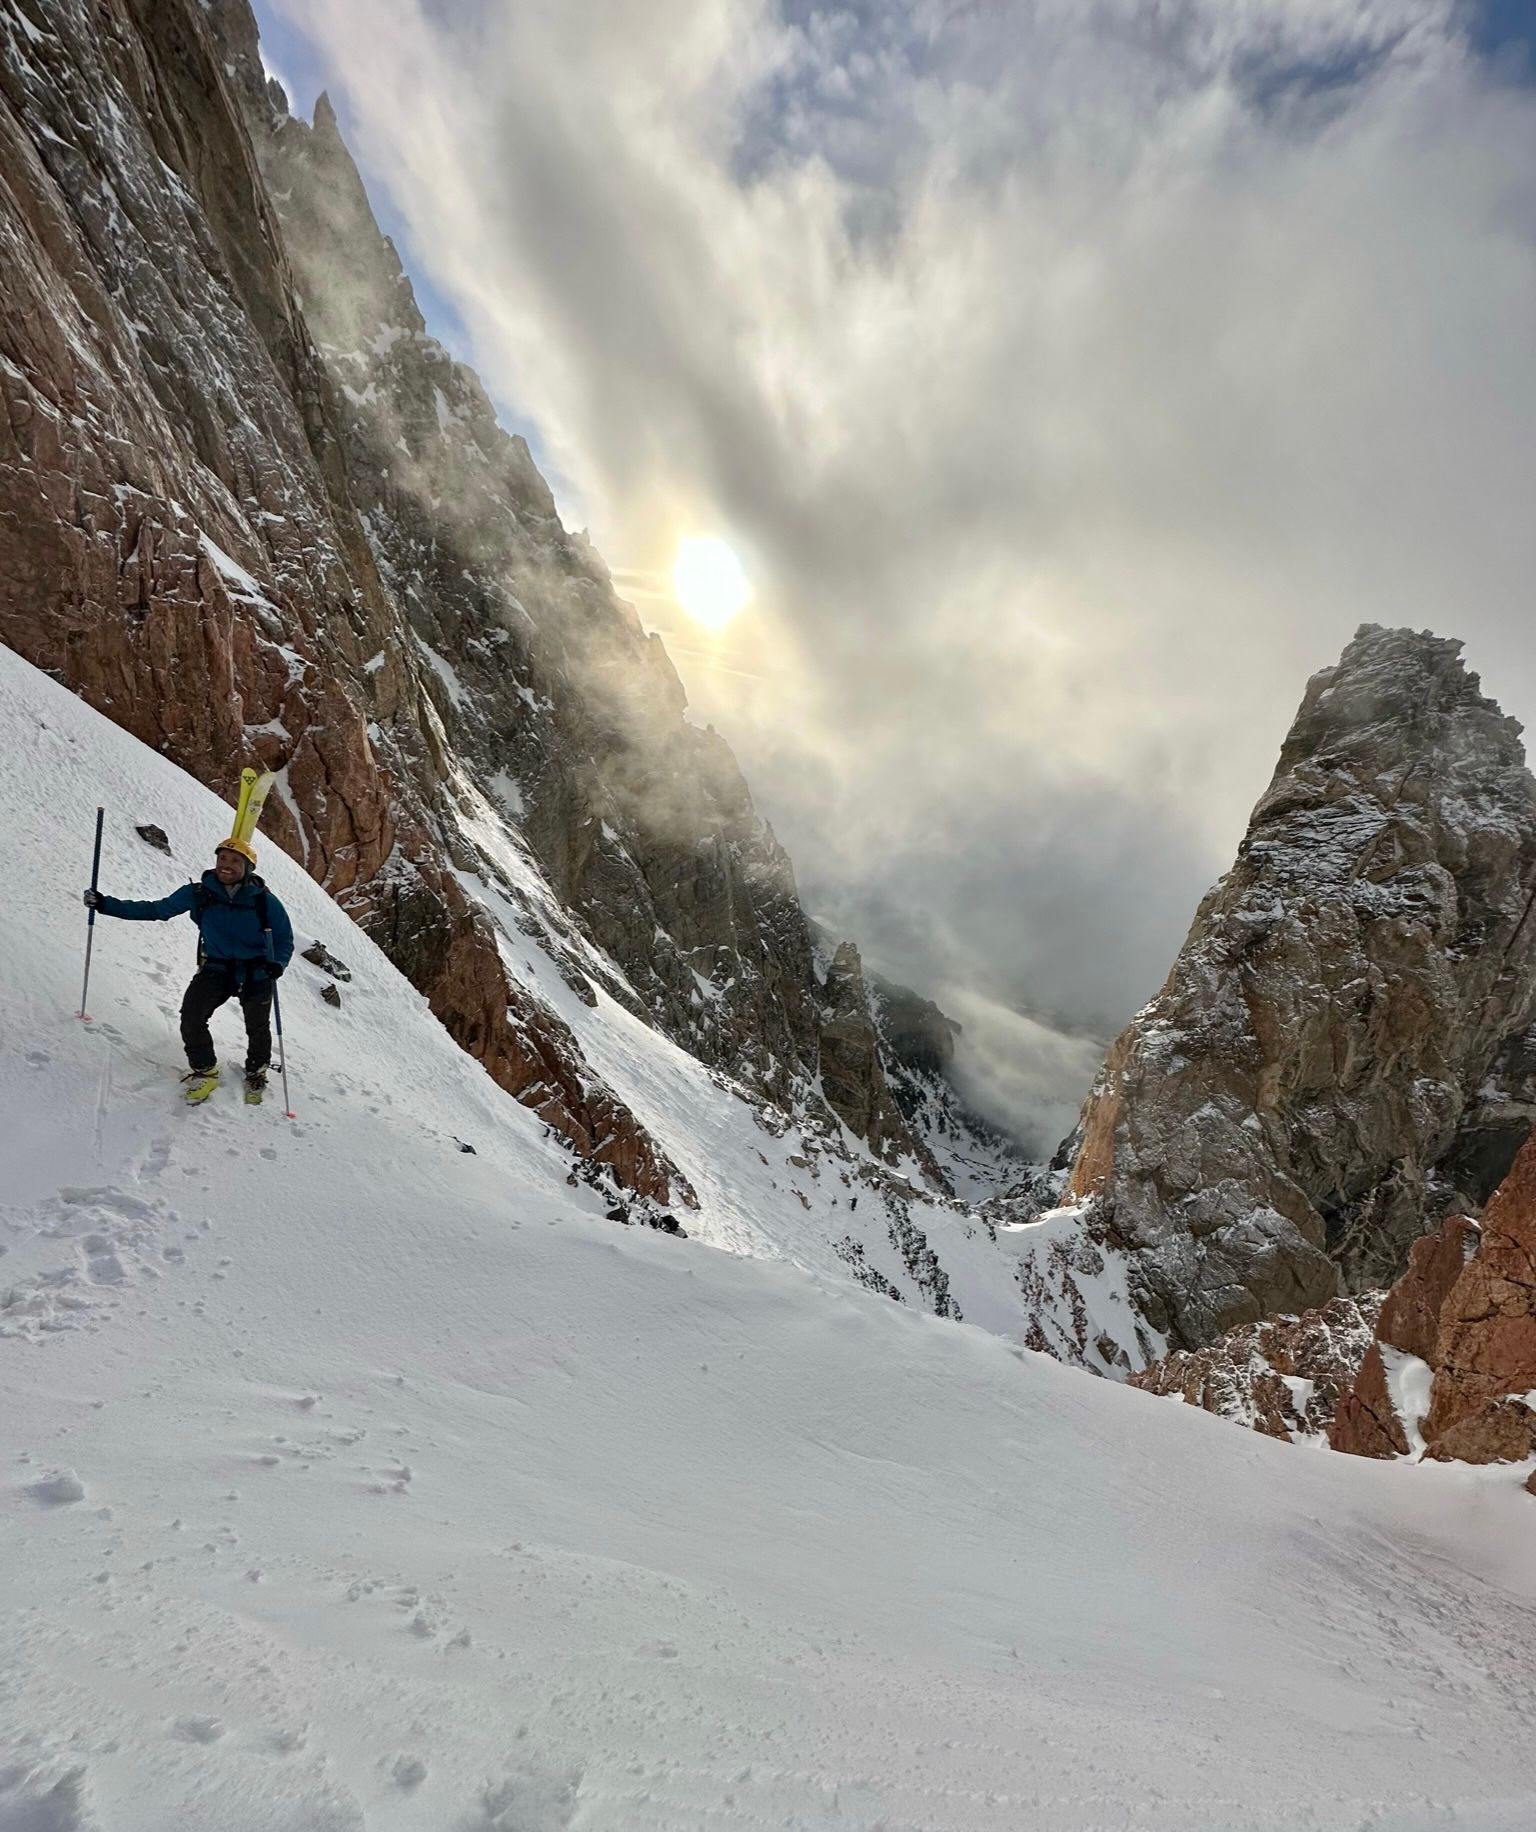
1341,1051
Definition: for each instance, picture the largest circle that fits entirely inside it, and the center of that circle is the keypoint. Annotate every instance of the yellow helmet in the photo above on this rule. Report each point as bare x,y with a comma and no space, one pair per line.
233,845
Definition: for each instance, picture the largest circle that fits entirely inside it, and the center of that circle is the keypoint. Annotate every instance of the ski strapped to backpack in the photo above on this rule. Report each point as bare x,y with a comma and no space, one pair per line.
254,785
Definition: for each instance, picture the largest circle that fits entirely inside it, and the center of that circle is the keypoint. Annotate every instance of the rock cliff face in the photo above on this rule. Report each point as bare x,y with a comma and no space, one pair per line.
1451,1374
1342,1049
852,1069
253,510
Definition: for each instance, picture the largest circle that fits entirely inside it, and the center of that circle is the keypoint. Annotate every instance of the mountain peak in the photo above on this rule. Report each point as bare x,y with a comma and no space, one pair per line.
1319,1076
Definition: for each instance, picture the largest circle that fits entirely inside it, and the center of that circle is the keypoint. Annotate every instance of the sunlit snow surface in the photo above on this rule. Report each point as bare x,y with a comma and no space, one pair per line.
351,1480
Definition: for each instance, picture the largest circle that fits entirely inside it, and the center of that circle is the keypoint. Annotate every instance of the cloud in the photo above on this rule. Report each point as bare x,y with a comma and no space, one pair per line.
1073,375
1019,1074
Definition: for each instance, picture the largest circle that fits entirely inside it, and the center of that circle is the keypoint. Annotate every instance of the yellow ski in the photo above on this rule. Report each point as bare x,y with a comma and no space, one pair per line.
253,798
247,783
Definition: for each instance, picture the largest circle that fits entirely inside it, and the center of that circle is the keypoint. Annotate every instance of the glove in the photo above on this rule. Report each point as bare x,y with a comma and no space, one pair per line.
275,969
91,899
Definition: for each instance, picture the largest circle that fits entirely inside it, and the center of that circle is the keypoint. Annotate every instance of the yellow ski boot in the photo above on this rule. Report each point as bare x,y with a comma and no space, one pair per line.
199,1084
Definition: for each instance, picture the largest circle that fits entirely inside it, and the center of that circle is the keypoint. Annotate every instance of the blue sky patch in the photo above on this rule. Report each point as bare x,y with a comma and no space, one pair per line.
1506,31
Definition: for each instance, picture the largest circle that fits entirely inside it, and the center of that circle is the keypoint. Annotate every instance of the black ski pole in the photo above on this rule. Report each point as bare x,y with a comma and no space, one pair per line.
277,1019
282,1053
90,920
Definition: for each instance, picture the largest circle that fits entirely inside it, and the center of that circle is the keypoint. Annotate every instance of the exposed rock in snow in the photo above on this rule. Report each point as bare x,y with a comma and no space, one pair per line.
318,955
1284,1377
1075,1288
1464,1313
1340,1049
1368,1422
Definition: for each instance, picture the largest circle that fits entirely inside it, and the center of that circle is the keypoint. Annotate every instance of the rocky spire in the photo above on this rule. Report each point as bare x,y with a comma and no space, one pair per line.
1319,1075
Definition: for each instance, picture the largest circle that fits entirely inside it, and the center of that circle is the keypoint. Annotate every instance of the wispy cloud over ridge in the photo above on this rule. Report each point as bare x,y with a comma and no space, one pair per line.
1074,377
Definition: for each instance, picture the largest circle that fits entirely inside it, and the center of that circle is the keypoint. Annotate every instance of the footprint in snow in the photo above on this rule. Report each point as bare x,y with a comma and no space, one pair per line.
108,1201
195,1728
116,1242
33,1800
536,1799
102,1266
57,1489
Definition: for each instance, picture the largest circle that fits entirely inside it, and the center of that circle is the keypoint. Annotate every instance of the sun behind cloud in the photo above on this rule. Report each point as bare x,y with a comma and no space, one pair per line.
708,580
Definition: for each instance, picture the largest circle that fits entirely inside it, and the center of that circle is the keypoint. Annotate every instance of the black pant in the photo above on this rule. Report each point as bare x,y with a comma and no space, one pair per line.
213,983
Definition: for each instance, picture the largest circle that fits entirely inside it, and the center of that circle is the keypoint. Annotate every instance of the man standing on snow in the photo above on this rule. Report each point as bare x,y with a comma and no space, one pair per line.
245,940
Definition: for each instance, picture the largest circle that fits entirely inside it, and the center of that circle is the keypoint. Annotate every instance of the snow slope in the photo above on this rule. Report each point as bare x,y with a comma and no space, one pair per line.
350,1480
798,1188
767,1185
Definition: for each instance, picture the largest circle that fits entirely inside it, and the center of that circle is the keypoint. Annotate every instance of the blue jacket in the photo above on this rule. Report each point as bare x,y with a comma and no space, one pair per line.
229,921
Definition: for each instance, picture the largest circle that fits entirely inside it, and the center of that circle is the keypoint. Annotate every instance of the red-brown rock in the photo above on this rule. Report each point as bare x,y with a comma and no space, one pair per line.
1467,1307
1410,1314
1366,1423
1485,1355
